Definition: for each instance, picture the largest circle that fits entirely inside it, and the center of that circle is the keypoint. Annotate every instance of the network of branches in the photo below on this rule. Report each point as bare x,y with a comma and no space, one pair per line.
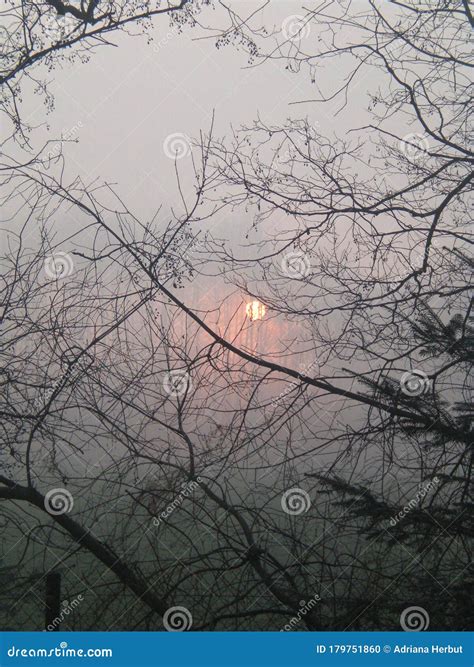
353,390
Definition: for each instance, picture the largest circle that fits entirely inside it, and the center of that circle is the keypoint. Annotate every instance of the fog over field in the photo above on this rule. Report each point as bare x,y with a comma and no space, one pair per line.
236,315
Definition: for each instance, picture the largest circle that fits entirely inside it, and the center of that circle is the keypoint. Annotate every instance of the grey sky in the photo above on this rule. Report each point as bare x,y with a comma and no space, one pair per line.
129,99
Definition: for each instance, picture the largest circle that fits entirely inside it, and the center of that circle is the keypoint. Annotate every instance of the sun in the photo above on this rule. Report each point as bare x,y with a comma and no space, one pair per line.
255,310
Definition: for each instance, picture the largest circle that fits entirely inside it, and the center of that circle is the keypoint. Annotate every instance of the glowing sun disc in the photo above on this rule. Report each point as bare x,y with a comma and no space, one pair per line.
255,310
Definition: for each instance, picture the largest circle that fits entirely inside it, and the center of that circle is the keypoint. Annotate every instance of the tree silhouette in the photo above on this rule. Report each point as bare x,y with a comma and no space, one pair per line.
313,466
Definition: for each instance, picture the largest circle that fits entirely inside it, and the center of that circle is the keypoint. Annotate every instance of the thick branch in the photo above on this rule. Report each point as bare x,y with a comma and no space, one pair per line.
82,536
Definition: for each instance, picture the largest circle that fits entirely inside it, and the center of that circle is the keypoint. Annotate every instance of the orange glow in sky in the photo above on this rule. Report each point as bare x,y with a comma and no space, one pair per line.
255,310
